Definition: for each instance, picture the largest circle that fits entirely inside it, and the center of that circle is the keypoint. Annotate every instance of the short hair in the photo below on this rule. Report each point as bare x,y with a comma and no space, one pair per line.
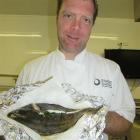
59,4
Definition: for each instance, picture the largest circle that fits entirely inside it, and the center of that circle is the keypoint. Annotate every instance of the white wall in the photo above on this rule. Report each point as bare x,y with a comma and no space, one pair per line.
121,30
15,51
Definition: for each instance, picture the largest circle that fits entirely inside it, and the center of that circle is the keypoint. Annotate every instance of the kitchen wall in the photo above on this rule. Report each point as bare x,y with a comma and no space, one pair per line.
23,38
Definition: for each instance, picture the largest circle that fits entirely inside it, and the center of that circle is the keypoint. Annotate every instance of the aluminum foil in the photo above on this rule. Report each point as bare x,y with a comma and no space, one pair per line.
12,132
93,124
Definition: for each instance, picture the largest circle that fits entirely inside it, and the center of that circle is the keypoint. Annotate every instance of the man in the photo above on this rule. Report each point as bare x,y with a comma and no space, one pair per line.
87,72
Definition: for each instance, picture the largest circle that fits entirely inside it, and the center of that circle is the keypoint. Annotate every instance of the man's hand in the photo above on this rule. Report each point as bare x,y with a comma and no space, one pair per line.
116,125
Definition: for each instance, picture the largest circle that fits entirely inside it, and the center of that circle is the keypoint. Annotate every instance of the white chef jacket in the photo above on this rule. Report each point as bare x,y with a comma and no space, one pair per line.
90,74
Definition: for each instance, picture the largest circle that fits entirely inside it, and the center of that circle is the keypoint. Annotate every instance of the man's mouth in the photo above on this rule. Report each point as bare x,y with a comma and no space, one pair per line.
73,38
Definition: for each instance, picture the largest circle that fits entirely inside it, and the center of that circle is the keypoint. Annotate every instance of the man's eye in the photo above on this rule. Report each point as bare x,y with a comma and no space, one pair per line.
86,20
68,15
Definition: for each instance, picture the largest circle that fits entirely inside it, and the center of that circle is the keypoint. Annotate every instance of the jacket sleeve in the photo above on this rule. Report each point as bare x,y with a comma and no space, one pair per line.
122,101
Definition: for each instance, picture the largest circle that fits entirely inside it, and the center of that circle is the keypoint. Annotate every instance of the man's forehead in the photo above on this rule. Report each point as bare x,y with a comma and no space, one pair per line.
77,3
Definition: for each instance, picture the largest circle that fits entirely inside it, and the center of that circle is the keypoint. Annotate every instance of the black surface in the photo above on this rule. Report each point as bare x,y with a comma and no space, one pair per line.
128,60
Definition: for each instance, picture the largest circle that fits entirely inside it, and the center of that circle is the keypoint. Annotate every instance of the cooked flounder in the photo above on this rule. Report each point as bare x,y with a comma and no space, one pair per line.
47,119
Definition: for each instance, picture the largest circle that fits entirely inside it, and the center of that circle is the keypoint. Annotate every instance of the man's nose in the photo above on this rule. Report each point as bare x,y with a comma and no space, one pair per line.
76,24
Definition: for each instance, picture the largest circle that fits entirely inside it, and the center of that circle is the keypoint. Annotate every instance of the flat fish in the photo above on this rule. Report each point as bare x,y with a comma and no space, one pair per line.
48,119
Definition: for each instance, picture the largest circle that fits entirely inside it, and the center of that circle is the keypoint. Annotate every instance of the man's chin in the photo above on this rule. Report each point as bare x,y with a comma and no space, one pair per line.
73,48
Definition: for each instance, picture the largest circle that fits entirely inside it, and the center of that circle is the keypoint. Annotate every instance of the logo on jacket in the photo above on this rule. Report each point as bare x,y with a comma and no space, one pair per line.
103,83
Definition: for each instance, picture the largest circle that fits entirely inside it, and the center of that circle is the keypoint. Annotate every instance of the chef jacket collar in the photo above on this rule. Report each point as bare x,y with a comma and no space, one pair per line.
79,58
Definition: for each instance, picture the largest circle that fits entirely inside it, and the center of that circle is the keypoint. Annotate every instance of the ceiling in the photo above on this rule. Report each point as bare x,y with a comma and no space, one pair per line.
107,8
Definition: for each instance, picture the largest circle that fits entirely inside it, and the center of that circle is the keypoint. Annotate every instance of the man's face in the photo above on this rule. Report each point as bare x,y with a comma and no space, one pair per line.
74,25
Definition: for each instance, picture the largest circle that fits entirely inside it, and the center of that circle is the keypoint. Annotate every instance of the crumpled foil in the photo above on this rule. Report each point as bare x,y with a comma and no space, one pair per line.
11,96
94,124
12,132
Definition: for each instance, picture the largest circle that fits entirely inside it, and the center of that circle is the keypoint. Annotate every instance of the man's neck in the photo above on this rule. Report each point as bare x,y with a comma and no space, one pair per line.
69,55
